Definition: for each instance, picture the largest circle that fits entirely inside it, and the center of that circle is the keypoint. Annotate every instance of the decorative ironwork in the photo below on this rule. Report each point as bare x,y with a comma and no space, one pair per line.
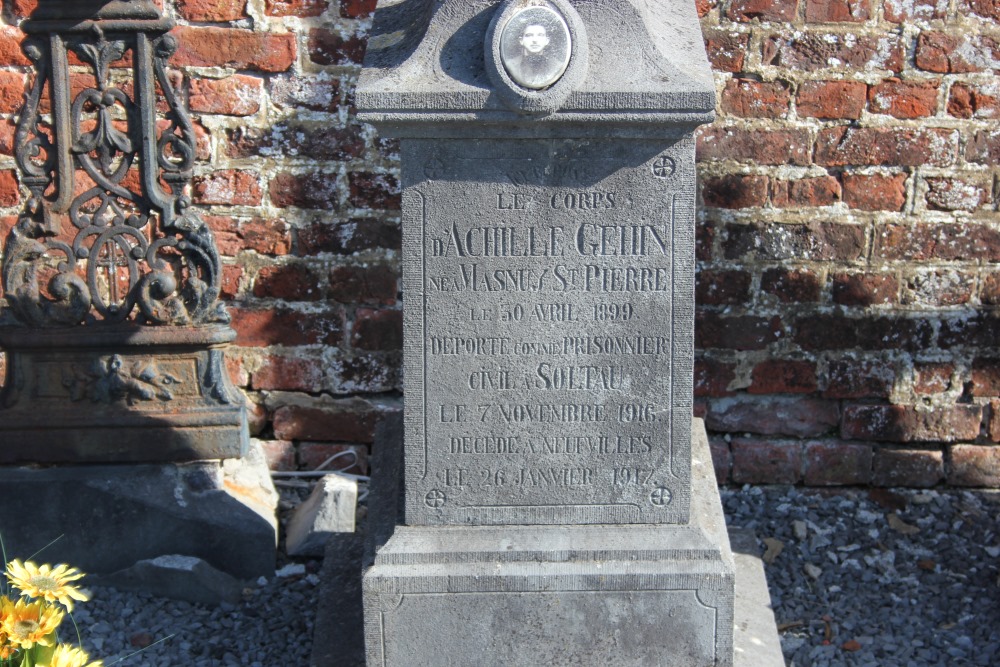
108,233
111,379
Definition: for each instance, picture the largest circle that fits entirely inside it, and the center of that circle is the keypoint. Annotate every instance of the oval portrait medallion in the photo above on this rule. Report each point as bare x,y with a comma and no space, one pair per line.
535,47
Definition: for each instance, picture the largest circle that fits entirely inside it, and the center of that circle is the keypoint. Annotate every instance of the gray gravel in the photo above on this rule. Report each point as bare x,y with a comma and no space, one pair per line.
859,578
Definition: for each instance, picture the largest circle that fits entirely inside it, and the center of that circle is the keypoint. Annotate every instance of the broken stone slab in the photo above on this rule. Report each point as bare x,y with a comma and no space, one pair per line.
330,509
177,577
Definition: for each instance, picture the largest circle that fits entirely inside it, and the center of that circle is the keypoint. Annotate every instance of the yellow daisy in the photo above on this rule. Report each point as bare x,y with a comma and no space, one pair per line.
30,623
45,582
70,656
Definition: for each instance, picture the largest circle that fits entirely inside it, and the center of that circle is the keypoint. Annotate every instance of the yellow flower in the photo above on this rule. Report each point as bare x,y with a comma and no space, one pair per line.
46,583
30,623
70,656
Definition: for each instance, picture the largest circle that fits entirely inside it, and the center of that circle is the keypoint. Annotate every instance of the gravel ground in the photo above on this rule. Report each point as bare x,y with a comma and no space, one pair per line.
857,578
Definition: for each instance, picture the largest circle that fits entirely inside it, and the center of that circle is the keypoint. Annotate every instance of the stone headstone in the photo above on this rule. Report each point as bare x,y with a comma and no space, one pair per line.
552,516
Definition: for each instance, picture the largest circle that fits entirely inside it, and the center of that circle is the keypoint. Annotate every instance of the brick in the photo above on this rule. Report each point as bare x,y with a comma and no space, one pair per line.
279,454
859,378
355,9
377,330
864,289
719,288
974,465
20,9
791,285
833,332
214,11
372,373
815,241
836,464
349,236
296,140
754,146
988,9
10,194
764,10
229,286
766,462
734,191
726,49
967,100
288,282
705,232
783,376
283,326
722,459
265,236
813,51
951,241
799,416
374,191
904,11
984,147
938,288
957,53
832,100
838,11
299,8
712,377
845,146
11,91
994,420
970,331
232,187
907,467
351,459
735,332
376,284
818,191
7,129
10,47
748,98
350,420
874,192
232,47
288,374
985,381
904,423
954,194
932,378
904,99
235,95
331,48
316,190
989,293
315,92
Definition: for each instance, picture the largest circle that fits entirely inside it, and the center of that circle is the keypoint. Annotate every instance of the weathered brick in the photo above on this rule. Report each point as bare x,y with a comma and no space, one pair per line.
817,191
373,373
957,53
834,332
902,11
349,236
327,47
989,9
718,288
282,373
350,420
832,100
368,284
230,187
722,459
984,147
704,240
816,241
376,191
316,92
864,289
11,91
712,377
954,194
812,51
288,282
764,10
874,192
279,454
938,287
726,49
985,377
377,330
904,99
232,47
734,191
932,378
791,285
235,95
296,140
355,9
735,332
783,376
283,326
268,237
799,416
838,11
300,8
994,420
10,194
755,146
212,10
766,461
10,47
950,241
313,190
974,465
907,467
859,378
971,331
229,286
836,464
905,423
989,293
966,100
748,98
846,146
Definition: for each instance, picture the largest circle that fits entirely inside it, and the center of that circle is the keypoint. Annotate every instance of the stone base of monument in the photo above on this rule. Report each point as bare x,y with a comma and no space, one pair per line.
105,518
576,595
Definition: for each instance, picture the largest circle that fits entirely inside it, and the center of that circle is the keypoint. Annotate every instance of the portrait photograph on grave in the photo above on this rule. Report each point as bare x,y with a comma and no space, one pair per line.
535,47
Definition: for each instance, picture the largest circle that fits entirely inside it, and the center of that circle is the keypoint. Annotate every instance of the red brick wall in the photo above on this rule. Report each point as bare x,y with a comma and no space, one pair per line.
846,285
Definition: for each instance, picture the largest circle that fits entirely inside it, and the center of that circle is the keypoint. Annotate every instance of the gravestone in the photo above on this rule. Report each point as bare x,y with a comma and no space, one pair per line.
552,512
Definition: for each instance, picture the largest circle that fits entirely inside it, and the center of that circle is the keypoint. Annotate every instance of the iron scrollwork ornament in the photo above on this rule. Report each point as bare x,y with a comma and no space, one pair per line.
108,233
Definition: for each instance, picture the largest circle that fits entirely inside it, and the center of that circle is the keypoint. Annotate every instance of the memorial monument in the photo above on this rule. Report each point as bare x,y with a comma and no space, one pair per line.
552,512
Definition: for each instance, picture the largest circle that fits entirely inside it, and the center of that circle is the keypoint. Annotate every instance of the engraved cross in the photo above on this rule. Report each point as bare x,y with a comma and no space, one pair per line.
660,496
